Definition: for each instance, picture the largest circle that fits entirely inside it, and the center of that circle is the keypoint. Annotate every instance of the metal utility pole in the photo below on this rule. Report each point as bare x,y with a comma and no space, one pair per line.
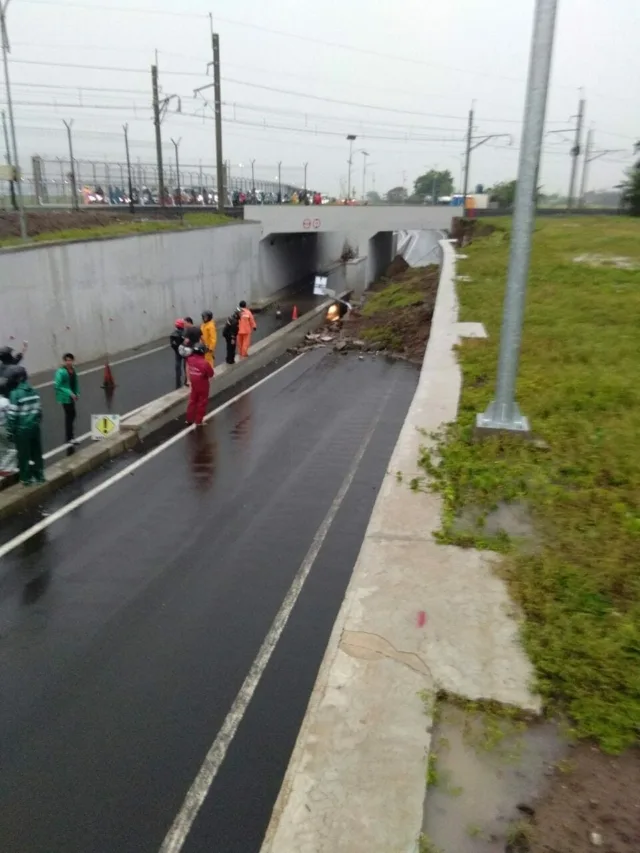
217,97
575,153
280,182
7,157
365,154
467,162
503,413
351,139
160,107
176,145
72,173
589,156
6,48
474,142
125,127
253,176
156,122
305,177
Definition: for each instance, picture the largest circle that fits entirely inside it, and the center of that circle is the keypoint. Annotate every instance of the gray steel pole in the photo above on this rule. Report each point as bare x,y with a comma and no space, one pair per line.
125,127
467,163
305,177
365,154
4,38
217,97
176,145
72,174
158,131
503,413
280,182
585,167
575,154
253,176
7,157
351,139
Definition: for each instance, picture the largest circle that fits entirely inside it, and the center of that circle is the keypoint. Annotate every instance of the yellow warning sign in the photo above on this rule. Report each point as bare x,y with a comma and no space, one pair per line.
104,426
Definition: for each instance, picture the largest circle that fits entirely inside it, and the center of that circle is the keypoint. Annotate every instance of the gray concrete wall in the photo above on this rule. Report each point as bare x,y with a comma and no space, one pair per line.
104,296
380,255
353,222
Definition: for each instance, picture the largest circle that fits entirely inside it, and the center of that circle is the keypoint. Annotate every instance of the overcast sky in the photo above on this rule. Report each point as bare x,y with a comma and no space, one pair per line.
408,71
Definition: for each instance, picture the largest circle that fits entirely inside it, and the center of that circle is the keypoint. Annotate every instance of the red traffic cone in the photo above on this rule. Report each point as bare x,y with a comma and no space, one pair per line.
294,313
108,381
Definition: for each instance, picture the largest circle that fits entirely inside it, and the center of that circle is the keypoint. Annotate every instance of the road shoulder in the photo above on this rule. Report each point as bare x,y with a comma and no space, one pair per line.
418,618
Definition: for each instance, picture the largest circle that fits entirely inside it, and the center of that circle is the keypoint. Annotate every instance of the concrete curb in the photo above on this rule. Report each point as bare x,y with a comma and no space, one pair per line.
416,617
155,415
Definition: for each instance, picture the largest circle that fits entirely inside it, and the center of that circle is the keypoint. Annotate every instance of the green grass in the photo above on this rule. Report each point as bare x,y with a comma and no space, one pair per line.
579,383
395,295
119,229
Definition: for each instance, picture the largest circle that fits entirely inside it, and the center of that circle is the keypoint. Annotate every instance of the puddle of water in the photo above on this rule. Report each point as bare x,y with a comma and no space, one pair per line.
483,768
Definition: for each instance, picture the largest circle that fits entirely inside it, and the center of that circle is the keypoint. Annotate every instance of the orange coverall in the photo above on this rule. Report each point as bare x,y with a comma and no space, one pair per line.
209,339
246,326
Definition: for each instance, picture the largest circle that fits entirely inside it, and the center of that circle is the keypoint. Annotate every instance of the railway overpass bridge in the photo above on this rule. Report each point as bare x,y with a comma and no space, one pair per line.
312,237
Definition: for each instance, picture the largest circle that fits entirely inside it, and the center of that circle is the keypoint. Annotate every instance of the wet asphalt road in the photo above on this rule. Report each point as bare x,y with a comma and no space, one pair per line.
148,377
128,626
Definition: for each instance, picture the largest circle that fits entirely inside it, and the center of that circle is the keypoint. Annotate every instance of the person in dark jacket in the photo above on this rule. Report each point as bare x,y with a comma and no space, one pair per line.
23,421
230,334
9,358
67,386
175,340
200,375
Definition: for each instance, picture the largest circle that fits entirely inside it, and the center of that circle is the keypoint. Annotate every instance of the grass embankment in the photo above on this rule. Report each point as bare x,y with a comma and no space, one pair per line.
123,228
578,583
396,315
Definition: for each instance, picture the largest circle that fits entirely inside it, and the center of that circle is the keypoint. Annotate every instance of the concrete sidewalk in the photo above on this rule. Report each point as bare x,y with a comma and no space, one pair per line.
417,618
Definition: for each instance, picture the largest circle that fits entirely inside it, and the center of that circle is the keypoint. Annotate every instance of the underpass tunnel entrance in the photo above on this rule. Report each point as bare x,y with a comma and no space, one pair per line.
381,251
288,264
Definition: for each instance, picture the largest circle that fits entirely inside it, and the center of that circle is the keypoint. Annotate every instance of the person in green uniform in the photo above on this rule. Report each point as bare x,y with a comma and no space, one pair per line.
23,422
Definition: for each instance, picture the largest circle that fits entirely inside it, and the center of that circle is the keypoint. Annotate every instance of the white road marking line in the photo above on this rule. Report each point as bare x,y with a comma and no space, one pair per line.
197,793
120,475
86,435
165,347
112,363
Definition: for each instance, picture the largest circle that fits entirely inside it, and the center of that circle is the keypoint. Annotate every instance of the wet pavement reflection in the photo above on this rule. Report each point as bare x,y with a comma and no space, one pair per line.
128,626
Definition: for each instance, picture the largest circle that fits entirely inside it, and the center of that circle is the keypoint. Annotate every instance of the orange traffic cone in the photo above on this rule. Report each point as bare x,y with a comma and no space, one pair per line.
108,381
294,314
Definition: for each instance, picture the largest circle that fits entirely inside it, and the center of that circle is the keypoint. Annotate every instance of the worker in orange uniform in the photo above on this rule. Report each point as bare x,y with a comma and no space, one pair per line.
209,335
246,325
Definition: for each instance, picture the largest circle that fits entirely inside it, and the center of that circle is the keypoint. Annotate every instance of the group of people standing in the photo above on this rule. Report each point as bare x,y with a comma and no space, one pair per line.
21,414
194,353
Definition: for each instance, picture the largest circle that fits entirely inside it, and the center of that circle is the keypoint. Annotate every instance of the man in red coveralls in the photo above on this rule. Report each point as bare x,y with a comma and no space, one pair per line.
200,373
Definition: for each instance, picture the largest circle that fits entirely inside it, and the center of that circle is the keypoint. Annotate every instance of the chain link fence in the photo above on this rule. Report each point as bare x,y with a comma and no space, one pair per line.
100,182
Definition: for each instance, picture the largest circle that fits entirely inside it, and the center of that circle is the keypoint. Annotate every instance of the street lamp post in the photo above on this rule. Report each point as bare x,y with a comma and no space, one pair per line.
503,413
365,154
280,182
352,138
4,38
176,145
253,176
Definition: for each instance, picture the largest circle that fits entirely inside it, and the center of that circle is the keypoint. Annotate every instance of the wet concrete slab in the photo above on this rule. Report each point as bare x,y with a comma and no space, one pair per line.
128,626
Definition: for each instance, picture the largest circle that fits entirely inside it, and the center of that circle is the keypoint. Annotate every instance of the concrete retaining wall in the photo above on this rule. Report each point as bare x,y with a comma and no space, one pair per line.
103,296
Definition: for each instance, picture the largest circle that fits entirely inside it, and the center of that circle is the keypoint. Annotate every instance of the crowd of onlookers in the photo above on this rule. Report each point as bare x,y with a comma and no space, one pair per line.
194,353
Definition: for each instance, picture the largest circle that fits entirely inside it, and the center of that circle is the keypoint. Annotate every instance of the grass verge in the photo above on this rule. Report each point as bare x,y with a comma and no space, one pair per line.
123,228
579,587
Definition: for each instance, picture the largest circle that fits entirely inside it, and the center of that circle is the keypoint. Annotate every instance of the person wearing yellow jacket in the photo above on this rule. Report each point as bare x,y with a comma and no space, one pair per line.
209,335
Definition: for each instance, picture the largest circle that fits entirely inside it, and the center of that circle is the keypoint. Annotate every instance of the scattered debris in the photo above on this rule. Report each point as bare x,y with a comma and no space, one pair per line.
596,839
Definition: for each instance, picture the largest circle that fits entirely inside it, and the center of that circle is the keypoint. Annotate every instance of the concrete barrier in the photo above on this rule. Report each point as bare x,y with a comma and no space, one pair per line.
155,415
